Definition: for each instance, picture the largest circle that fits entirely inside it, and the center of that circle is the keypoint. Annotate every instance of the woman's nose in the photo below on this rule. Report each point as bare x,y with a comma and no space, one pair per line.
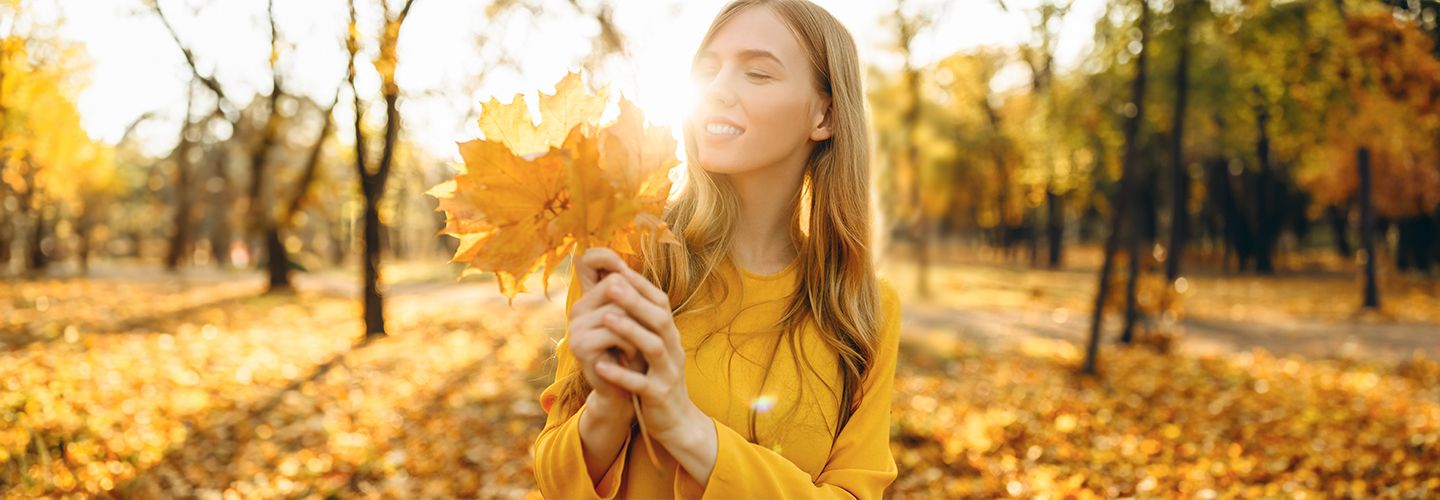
717,92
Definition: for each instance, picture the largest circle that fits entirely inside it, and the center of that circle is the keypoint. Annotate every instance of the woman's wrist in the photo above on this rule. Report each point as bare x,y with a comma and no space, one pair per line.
694,445
611,410
603,429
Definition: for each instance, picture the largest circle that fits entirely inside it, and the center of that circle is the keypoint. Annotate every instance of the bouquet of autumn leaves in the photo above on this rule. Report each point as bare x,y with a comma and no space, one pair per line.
530,194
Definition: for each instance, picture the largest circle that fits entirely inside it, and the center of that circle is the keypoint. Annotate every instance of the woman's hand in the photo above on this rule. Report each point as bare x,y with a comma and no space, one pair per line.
610,411
592,342
670,416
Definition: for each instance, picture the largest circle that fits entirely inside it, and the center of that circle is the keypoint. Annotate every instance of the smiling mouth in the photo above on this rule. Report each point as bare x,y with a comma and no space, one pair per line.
723,130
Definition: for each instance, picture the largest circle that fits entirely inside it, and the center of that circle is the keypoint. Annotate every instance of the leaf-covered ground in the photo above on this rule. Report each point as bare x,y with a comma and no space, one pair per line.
143,385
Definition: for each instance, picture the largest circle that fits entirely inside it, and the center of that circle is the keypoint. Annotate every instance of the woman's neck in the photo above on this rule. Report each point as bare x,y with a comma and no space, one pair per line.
762,243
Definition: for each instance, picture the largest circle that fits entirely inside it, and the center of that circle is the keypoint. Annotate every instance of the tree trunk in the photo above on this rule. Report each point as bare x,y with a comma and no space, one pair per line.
1123,199
1136,252
1032,236
372,184
258,217
180,233
38,260
1055,222
83,233
6,234
919,219
180,230
1179,178
224,202
370,267
1417,236
1367,228
277,261
1339,222
1266,193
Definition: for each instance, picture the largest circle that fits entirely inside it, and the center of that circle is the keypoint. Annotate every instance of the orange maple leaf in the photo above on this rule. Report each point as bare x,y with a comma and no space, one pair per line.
530,194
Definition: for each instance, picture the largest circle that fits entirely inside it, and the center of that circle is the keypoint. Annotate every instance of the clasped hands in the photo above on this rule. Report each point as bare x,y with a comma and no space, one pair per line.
625,312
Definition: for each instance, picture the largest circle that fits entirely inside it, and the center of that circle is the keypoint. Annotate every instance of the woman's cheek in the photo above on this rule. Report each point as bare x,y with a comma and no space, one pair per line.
785,124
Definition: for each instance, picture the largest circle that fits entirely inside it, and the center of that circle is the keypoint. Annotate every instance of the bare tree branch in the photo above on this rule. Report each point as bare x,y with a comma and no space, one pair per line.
208,81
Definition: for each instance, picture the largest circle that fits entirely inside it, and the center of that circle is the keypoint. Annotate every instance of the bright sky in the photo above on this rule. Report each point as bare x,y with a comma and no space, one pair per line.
137,67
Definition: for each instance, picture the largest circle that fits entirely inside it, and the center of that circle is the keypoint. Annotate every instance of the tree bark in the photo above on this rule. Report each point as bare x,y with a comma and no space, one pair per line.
6,230
372,183
180,233
280,264
1339,224
1367,230
1179,178
1135,251
82,232
220,228
1266,192
1127,187
38,260
1055,222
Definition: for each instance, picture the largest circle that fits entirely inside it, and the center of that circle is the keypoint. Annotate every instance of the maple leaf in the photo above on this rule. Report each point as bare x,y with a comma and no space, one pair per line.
532,193
571,104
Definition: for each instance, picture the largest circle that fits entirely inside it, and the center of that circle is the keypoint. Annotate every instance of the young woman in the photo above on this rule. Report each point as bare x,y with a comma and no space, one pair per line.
762,347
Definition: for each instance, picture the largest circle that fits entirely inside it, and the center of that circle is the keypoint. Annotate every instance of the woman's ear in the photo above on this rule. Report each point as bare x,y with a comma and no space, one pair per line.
824,128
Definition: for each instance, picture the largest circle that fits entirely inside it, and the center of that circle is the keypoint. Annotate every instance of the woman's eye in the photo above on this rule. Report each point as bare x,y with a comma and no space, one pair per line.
757,76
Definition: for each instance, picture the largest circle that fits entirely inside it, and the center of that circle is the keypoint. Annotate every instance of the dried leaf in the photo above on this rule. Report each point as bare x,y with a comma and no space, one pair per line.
532,193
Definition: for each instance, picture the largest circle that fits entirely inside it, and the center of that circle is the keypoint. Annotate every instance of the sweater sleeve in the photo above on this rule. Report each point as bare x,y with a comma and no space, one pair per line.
560,470
860,464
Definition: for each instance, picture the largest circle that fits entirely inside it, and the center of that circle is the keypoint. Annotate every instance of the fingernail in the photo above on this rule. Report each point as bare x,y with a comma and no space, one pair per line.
610,317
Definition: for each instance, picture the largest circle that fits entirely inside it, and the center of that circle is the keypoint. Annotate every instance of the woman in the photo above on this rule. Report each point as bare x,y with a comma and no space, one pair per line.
770,342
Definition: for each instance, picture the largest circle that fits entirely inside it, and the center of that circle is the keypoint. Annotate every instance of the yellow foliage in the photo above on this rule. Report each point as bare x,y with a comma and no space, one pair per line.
531,193
46,152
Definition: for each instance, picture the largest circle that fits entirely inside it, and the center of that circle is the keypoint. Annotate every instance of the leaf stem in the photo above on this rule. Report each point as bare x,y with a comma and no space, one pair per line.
644,434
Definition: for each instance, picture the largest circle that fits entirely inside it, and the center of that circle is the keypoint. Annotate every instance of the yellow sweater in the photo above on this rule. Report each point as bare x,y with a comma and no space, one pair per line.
795,455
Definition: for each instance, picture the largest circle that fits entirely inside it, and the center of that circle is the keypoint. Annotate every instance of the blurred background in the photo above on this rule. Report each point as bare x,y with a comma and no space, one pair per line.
1146,248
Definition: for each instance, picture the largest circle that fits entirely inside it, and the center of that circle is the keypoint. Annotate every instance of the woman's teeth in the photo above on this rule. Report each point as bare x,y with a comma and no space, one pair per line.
718,129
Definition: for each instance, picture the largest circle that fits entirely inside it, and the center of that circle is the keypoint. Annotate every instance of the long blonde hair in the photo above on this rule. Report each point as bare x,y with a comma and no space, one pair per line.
837,289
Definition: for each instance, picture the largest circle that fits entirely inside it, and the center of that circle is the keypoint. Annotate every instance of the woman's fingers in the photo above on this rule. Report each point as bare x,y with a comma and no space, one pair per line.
647,313
597,337
647,341
646,288
628,380
595,260
595,296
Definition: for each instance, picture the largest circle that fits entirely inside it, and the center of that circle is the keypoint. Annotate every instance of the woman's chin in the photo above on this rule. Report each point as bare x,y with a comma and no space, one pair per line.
724,167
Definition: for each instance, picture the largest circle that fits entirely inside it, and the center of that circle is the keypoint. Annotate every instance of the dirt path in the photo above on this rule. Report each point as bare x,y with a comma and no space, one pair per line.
1391,341
989,306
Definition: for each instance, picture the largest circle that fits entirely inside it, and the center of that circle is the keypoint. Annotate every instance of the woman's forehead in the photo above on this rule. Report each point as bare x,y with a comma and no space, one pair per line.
756,33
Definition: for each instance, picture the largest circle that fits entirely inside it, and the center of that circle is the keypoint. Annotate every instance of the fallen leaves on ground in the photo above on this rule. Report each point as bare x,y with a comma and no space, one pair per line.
268,396
1022,423
209,390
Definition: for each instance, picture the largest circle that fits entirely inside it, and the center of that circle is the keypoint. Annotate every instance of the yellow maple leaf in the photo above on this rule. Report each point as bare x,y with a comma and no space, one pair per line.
571,104
531,194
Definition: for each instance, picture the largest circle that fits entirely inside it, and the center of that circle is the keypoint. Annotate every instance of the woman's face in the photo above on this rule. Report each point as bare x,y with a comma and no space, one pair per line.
757,104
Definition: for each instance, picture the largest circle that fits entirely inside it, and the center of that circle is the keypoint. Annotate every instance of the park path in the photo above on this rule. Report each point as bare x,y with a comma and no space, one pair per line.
1359,339
975,316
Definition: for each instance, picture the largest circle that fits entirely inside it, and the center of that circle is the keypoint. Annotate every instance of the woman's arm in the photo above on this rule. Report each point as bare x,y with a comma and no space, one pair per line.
602,436
590,443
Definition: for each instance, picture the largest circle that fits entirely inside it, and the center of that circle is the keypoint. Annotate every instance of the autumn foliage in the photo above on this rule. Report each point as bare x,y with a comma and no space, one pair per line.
530,193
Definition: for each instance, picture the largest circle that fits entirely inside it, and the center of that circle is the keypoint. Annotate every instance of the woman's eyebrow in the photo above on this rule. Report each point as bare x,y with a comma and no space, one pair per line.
747,54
